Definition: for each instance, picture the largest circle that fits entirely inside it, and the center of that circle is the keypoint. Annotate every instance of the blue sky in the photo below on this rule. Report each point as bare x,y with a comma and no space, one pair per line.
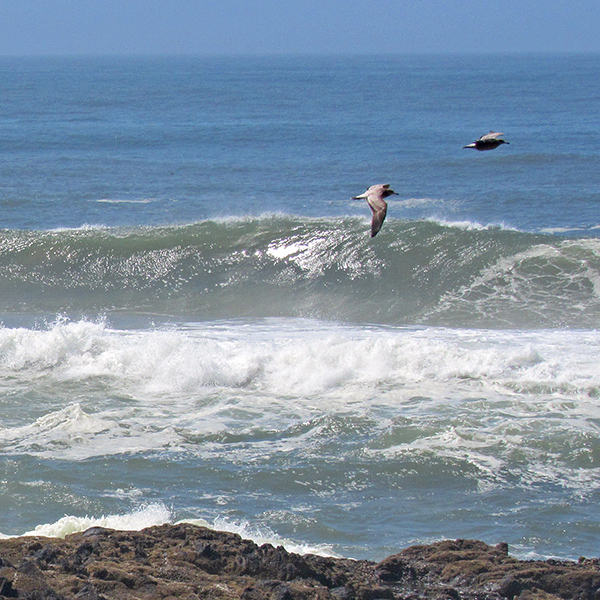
233,27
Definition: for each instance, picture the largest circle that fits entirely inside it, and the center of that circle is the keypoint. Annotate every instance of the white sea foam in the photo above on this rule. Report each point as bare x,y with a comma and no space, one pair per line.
262,535
469,395
145,516
298,358
156,514
560,229
468,225
126,201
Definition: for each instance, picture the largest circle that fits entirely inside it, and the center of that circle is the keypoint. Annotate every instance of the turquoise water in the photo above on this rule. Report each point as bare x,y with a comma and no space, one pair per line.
196,324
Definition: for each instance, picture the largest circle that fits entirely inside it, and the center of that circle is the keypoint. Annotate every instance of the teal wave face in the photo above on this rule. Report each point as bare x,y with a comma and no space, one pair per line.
414,272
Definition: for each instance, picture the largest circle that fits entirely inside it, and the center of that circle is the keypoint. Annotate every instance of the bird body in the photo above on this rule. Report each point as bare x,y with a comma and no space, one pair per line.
489,141
375,199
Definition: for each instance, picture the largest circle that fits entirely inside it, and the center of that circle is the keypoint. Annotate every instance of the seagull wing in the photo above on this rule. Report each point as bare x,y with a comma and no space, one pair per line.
379,208
375,199
492,135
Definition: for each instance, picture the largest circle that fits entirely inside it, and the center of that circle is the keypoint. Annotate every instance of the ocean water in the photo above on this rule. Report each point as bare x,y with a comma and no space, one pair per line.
195,324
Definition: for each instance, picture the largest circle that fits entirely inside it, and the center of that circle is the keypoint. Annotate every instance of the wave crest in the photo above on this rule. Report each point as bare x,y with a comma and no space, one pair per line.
414,272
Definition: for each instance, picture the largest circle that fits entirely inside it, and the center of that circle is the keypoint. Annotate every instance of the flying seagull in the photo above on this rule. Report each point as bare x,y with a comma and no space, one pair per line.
489,141
375,199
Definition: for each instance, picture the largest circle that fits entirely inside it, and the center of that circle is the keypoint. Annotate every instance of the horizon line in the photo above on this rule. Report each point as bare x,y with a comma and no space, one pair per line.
300,54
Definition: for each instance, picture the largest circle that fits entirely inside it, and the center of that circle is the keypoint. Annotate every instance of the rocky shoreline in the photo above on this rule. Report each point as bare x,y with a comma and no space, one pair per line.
195,563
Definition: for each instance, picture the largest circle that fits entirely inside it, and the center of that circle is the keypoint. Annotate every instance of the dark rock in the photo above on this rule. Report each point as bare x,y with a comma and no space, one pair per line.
189,562
510,587
6,589
88,592
96,531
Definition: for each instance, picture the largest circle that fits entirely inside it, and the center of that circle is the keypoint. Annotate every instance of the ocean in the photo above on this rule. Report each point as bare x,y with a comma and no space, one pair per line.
195,324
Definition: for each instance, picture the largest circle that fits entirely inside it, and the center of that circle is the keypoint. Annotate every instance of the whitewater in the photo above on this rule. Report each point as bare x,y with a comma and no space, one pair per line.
196,326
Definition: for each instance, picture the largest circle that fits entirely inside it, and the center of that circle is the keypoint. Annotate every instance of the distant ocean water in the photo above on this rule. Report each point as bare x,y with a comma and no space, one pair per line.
196,324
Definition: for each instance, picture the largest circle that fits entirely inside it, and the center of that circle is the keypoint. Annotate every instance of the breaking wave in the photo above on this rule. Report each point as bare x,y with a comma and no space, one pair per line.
413,272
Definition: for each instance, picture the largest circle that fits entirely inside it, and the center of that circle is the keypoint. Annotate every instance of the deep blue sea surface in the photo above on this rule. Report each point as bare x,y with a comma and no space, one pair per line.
195,323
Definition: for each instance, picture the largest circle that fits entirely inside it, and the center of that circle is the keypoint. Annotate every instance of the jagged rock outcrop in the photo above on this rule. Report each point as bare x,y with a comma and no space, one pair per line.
192,563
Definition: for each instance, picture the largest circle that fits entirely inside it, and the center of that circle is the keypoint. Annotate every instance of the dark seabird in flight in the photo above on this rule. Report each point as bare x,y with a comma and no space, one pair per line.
375,199
489,141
